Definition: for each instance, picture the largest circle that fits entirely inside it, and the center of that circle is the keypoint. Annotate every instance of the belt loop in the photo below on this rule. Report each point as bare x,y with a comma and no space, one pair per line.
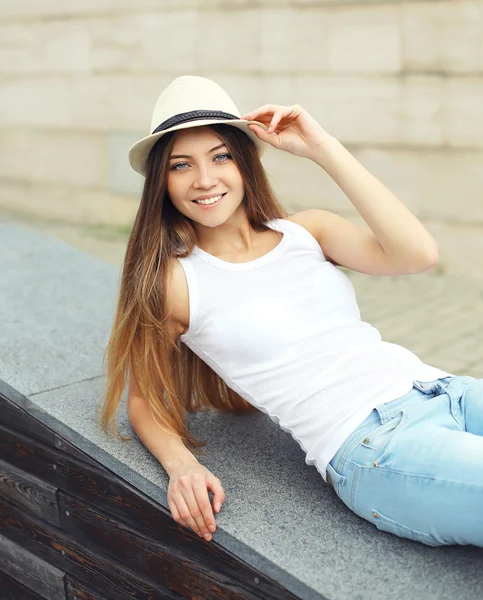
333,476
440,388
383,413
426,386
443,384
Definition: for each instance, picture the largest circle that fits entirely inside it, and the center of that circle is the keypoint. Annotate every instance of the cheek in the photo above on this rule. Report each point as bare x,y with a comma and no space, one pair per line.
178,204
236,182
174,195
171,185
176,190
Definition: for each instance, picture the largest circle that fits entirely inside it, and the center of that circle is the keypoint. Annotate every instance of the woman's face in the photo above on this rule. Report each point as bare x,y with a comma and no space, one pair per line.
204,172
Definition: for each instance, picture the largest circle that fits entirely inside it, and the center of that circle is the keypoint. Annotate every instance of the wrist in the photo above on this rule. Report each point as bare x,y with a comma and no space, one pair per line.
325,151
181,461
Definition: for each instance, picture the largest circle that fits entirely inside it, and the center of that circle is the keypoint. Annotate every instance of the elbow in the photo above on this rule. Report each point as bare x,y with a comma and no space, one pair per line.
432,258
426,264
134,405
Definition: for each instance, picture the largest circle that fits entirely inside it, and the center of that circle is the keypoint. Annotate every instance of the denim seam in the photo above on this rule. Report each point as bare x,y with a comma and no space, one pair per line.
416,533
411,474
354,487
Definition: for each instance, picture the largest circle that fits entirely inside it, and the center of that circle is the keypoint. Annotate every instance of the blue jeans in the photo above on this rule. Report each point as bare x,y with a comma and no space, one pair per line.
414,467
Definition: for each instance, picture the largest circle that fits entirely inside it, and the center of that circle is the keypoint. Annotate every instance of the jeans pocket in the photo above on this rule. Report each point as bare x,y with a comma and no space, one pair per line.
384,523
381,437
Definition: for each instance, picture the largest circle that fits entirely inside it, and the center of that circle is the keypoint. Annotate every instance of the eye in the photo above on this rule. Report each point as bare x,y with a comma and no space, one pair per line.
175,166
218,155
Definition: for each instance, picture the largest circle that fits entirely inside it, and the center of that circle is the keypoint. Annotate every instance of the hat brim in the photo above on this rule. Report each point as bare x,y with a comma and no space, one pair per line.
139,152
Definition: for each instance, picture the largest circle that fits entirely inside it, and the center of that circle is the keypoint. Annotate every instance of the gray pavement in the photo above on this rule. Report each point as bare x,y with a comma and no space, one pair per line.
56,306
438,317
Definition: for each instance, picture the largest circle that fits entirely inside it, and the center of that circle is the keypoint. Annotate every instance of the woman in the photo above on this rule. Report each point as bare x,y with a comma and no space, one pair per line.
269,323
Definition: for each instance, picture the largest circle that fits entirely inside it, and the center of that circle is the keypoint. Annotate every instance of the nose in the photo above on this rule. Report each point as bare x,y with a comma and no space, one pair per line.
204,180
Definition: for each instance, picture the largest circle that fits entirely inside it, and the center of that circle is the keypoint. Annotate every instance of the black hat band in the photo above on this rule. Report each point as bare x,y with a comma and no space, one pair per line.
193,115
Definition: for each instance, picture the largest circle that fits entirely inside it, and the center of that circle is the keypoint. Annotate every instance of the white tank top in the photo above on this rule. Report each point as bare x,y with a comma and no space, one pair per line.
284,332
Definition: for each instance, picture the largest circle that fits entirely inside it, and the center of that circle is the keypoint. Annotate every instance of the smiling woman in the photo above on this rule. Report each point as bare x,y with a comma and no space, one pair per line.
227,302
182,165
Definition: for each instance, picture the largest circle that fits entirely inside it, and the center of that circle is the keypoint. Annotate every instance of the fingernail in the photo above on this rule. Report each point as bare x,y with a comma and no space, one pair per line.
212,528
207,537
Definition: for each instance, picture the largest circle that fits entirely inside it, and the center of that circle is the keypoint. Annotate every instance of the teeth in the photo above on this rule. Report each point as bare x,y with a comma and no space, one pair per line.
209,200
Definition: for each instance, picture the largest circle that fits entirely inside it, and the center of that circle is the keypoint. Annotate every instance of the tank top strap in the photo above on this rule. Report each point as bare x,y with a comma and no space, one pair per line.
303,236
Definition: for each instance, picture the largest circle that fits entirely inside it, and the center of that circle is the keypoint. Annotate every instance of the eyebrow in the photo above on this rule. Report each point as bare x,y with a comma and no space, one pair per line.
188,156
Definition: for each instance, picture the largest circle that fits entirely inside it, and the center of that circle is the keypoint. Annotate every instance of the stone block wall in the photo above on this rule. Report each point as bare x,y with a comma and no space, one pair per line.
400,84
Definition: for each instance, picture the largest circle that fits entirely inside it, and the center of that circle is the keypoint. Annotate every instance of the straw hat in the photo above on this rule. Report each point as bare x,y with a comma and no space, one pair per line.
190,101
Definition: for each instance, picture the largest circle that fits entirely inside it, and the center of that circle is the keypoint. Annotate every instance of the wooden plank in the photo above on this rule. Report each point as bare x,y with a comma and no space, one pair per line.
111,495
19,419
29,492
11,589
31,570
78,590
109,492
69,448
103,575
151,557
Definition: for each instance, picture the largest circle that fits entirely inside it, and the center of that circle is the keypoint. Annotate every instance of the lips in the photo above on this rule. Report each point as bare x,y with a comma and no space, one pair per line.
213,204
208,197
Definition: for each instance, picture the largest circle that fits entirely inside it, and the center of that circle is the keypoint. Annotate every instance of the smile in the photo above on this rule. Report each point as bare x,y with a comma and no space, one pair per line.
210,202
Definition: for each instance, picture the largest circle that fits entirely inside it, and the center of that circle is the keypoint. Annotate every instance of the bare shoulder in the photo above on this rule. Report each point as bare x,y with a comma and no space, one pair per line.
177,298
310,219
303,218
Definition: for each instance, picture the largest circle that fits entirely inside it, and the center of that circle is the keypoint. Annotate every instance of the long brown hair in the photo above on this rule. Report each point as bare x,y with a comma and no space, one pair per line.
172,383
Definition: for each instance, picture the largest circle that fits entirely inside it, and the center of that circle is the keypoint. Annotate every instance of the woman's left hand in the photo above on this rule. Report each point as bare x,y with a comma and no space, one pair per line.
295,130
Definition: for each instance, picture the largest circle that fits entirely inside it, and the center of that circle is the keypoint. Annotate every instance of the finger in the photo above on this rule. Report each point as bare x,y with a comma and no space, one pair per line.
263,113
275,121
195,510
270,138
185,513
266,108
182,507
272,123
176,516
259,121
288,112
201,494
218,493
